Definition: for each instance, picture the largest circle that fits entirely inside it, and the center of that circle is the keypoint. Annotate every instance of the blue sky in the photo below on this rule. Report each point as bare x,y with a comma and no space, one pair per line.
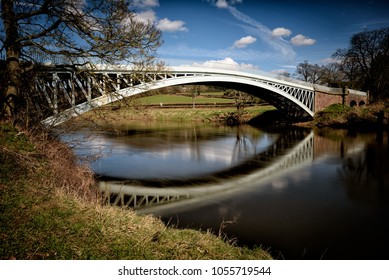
270,36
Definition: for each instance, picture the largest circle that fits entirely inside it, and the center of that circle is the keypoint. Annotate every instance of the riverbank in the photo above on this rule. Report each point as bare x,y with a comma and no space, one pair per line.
50,210
113,115
371,117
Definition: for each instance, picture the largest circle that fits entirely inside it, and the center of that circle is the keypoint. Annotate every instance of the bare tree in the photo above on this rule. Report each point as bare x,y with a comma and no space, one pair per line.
311,73
366,61
284,75
71,32
194,91
303,71
241,98
333,75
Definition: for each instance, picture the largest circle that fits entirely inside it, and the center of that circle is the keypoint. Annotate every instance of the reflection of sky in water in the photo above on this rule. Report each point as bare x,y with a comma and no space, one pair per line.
170,160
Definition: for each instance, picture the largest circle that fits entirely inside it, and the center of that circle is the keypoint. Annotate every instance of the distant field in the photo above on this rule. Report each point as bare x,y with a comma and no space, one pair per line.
206,114
179,99
215,93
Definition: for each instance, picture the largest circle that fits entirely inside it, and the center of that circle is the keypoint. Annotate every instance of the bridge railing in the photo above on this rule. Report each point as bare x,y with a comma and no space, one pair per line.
358,92
339,91
335,91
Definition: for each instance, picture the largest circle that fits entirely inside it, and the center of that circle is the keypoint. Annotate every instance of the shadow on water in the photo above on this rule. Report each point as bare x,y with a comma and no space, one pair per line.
365,174
304,195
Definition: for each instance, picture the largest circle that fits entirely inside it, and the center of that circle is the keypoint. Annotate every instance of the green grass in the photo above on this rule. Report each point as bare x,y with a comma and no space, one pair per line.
49,210
213,93
118,117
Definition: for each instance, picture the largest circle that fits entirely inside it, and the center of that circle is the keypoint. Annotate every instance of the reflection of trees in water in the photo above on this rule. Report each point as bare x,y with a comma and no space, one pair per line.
161,138
366,173
245,145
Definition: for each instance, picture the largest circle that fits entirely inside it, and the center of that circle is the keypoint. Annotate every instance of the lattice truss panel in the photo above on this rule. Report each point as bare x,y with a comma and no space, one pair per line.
63,90
137,201
307,97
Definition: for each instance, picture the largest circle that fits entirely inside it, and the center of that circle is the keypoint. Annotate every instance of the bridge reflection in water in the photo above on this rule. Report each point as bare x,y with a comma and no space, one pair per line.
290,150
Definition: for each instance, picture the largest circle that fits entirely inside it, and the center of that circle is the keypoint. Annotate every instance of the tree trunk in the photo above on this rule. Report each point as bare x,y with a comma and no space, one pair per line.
11,94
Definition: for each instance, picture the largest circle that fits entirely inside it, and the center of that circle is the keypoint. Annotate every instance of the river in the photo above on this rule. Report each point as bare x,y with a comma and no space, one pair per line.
299,193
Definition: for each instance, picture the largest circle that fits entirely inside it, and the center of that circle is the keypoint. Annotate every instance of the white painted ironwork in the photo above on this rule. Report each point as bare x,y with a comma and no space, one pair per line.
69,93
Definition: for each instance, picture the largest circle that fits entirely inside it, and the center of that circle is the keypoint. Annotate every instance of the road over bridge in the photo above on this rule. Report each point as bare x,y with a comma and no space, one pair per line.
69,93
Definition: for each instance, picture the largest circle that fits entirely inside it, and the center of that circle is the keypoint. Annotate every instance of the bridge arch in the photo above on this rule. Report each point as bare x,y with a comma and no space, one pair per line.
267,92
295,98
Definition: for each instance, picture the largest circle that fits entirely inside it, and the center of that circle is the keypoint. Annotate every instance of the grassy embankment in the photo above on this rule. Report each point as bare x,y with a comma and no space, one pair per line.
49,210
371,117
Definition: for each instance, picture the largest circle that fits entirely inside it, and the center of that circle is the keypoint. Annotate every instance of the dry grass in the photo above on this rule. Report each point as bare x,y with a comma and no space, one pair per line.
108,117
371,117
66,174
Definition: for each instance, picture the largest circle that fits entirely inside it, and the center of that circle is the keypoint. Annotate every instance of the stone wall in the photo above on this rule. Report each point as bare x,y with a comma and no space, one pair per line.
356,100
352,98
323,100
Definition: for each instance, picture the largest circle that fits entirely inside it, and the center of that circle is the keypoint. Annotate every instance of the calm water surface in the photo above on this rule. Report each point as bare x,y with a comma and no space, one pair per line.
299,193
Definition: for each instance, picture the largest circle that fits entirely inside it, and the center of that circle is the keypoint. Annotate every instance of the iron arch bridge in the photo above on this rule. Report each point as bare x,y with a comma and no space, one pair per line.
70,93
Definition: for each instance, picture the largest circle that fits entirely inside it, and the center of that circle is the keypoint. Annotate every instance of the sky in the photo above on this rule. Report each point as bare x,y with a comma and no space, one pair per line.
254,35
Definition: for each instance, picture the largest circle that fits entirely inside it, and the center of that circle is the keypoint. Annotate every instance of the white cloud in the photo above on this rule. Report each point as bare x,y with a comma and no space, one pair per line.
244,42
264,33
145,3
281,32
145,17
222,4
301,40
227,63
279,71
330,60
289,66
171,26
